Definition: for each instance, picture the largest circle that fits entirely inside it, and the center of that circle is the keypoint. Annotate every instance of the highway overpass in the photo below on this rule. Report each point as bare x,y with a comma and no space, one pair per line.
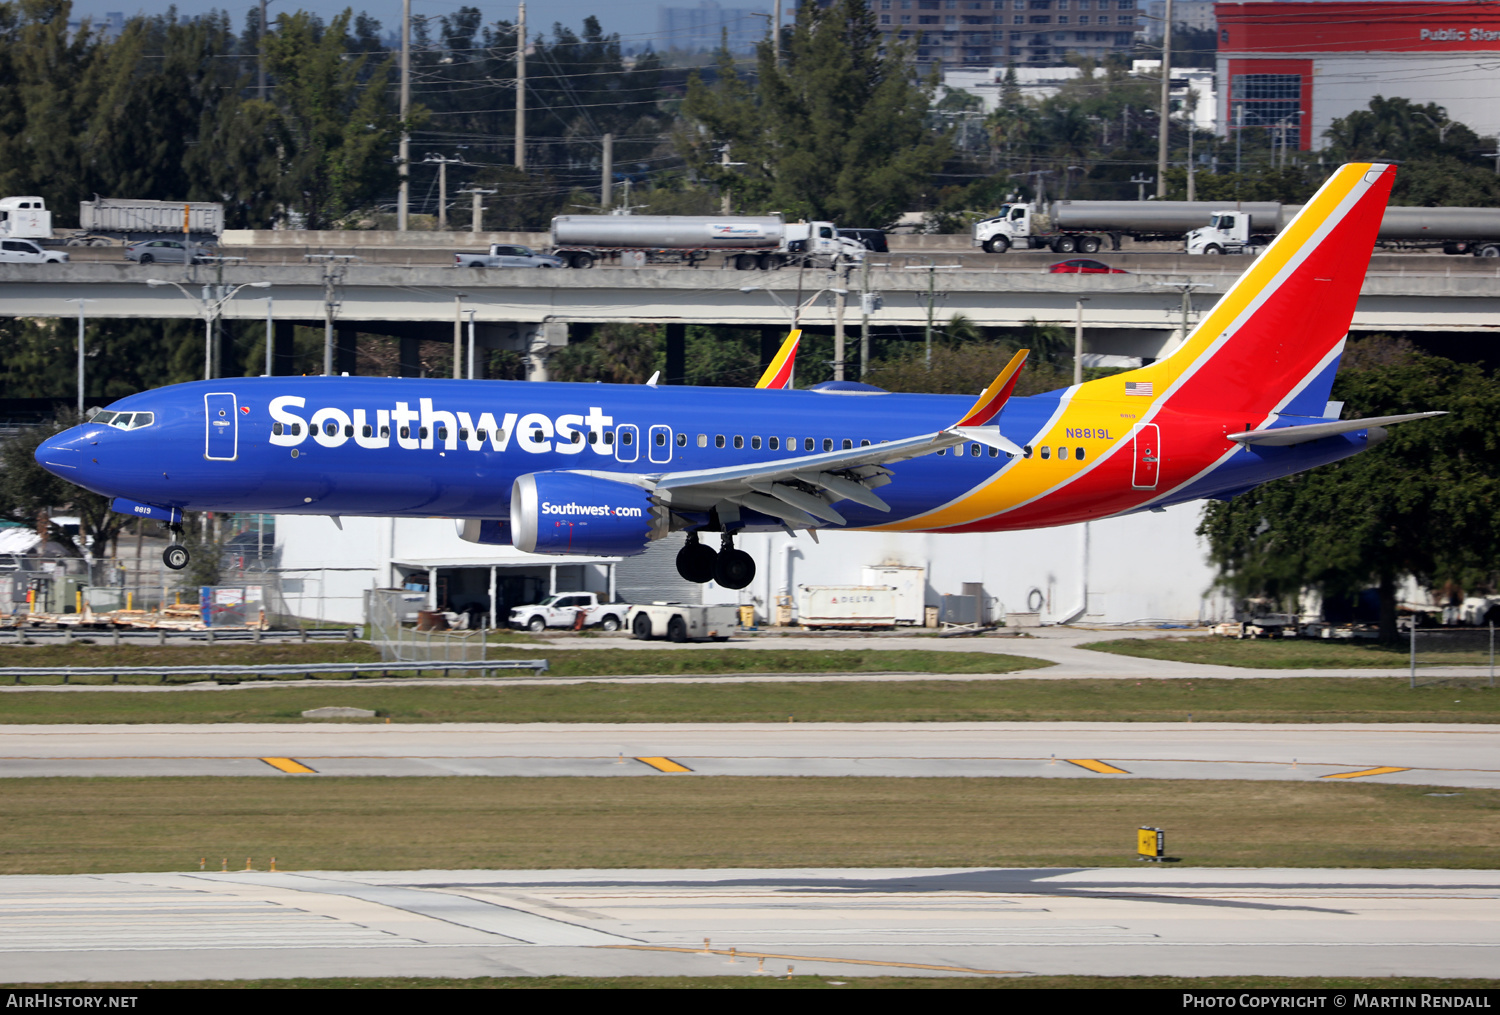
1135,314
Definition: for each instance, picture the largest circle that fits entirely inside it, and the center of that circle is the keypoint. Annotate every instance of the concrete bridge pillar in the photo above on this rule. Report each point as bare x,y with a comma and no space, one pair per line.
283,349
676,372
411,357
548,337
346,350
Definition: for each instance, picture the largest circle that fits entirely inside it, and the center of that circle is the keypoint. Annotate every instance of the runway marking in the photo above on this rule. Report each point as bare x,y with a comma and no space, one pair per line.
817,958
664,764
1387,770
1094,765
289,766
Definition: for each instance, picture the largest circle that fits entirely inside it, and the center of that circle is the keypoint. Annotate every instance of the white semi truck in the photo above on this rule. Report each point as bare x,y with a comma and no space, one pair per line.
747,242
1211,227
105,221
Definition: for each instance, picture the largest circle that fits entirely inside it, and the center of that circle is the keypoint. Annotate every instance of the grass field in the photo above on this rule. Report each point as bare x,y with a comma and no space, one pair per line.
814,982
1285,653
564,662
64,825
1310,699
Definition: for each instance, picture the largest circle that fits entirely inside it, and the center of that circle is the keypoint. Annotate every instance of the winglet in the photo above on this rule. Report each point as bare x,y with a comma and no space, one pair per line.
997,394
779,373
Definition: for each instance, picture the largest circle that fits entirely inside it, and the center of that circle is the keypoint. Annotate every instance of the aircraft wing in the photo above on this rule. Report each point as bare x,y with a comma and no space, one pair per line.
800,489
1283,436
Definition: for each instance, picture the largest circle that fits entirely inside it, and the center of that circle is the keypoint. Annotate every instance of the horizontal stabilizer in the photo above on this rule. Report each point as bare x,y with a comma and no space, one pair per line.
1282,436
994,397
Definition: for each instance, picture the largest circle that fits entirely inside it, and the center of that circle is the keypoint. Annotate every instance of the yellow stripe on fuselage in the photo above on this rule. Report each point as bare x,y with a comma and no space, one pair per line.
1103,404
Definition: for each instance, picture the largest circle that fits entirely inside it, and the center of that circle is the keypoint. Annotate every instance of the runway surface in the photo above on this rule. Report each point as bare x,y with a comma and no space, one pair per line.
840,922
1460,755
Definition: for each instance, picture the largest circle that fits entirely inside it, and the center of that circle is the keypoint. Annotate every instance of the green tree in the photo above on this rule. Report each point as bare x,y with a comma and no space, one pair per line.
27,490
336,130
837,132
1420,505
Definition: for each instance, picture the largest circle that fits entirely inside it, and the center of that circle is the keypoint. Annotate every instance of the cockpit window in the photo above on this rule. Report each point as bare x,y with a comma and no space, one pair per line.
125,420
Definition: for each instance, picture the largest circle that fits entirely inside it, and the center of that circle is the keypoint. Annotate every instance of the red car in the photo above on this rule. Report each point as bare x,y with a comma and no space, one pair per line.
1085,266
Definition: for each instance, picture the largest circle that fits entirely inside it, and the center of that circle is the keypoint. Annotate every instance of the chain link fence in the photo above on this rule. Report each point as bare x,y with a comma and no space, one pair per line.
388,613
1473,649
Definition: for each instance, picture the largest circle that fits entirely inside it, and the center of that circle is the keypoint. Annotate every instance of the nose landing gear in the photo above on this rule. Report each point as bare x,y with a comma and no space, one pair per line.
176,556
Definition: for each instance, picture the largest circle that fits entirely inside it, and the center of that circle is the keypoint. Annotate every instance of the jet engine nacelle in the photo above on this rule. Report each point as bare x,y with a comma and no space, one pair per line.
573,512
489,531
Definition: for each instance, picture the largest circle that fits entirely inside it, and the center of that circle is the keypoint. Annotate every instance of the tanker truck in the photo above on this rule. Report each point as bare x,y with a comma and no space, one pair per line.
1473,231
1218,227
746,242
1079,225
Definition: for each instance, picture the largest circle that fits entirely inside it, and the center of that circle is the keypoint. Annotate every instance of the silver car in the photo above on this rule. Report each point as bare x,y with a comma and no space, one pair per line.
508,255
160,252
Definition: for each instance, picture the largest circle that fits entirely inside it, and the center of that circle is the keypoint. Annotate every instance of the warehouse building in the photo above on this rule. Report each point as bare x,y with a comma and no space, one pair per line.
1294,68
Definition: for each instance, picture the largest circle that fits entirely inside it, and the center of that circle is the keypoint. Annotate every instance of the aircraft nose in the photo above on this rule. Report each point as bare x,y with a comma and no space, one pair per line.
61,454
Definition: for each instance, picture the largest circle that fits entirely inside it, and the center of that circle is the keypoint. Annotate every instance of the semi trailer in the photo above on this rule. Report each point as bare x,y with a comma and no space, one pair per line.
105,221
1218,227
747,242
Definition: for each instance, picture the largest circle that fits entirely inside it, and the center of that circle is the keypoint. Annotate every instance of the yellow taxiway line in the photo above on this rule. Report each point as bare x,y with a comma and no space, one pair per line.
289,766
1094,765
1386,770
664,764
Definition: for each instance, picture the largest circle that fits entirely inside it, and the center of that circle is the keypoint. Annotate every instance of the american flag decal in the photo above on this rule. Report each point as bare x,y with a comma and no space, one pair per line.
1138,388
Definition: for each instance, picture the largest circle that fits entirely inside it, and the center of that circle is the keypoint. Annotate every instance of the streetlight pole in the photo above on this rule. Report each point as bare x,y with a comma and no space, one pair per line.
471,343
403,157
211,305
81,310
1166,105
270,333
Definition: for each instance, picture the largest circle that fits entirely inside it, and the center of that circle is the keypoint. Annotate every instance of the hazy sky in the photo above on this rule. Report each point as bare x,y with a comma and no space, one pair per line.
635,20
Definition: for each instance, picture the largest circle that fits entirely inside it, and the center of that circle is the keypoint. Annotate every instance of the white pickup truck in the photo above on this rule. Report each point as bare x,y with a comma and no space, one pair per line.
508,255
26,252
563,609
682,622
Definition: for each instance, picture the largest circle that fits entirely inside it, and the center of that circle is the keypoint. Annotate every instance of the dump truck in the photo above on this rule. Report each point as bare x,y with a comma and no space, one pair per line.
106,221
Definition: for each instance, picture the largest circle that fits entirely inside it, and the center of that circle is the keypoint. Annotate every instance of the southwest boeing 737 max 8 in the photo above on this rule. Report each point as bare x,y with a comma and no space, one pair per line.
606,469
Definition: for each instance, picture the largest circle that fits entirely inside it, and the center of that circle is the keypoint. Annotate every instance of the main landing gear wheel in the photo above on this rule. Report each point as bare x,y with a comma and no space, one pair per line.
735,568
696,562
175,557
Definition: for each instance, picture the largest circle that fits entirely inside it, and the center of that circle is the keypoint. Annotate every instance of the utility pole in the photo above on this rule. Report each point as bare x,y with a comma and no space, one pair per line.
260,45
270,332
476,223
520,87
607,174
403,156
442,163
841,297
1078,342
334,266
458,334
1140,180
82,307
1166,105
775,36
471,343
931,296
1239,139
864,317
